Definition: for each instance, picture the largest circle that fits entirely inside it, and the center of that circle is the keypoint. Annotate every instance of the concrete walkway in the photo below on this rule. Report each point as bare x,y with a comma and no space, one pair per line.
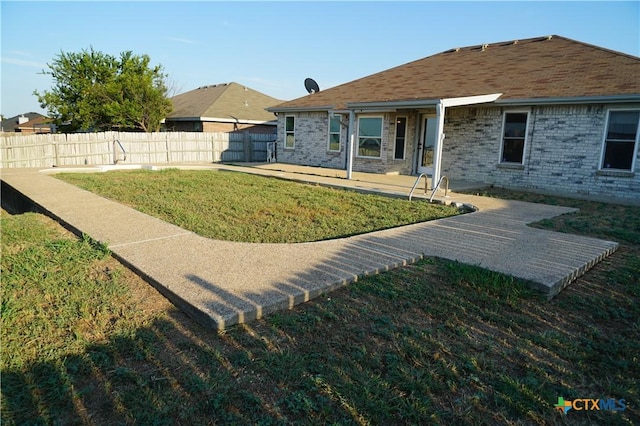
221,283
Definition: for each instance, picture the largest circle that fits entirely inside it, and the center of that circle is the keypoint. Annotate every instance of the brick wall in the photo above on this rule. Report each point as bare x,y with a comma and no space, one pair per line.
311,144
562,152
311,141
214,127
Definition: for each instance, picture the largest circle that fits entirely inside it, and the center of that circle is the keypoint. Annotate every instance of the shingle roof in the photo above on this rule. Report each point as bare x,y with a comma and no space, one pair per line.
543,67
227,101
10,124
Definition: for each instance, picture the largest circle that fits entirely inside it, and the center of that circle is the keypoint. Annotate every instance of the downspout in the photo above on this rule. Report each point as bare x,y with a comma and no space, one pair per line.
437,154
351,142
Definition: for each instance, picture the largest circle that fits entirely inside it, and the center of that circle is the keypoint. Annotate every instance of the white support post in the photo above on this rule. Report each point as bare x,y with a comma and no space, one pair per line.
350,143
437,154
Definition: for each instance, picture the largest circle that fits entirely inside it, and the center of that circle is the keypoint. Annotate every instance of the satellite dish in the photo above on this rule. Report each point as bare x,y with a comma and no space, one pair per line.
311,85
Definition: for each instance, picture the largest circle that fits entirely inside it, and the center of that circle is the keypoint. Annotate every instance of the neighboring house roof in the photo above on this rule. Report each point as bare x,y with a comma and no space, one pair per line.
29,119
39,124
551,67
227,102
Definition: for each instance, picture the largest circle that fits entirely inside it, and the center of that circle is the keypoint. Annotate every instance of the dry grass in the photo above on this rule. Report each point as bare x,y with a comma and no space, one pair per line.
433,343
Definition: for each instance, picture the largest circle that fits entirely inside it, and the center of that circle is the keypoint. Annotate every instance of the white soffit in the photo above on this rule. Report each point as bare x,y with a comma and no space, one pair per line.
470,100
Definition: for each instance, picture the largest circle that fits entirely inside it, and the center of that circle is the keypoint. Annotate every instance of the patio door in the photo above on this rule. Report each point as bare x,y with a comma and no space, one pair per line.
427,145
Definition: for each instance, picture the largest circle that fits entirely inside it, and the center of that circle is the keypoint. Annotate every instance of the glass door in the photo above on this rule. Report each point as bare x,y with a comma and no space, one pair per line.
427,145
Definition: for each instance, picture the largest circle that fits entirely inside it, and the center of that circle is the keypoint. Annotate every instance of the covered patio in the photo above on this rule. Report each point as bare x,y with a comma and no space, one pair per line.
395,184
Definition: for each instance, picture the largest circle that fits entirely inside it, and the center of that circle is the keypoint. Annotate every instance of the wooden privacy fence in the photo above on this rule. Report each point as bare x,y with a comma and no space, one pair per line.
75,149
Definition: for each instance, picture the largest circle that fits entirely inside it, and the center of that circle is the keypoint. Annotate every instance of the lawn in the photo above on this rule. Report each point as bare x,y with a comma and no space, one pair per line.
241,207
85,341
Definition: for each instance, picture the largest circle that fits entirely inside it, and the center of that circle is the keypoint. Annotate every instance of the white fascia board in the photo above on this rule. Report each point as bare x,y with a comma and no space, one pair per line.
392,105
239,120
222,120
572,100
448,102
301,109
470,100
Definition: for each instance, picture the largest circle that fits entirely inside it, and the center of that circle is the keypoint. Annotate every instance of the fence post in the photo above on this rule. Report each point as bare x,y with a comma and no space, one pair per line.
166,144
55,151
247,146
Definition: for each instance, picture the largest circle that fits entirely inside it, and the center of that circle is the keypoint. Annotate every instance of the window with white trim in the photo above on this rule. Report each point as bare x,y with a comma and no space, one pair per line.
369,137
401,137
289,131
620,140
335,132
514,137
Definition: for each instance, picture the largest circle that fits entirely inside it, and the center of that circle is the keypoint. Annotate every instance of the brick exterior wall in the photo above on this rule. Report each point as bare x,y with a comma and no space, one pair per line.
562,153
214,126
312,139
311,148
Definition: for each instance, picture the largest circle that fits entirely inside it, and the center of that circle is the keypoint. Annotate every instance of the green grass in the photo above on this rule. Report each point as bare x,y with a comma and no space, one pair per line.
596,219
85,341
241,207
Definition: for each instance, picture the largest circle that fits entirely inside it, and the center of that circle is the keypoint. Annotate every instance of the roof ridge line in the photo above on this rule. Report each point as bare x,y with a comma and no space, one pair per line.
604,49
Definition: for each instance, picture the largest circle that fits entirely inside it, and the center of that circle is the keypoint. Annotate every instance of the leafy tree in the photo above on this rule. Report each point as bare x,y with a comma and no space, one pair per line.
97,91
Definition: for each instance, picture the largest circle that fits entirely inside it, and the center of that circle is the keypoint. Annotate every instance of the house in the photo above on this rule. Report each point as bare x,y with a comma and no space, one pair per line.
227,107
549,114
28,123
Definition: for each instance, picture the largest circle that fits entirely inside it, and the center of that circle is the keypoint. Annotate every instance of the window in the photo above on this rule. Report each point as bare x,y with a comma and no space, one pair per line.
369,136
334,132
401,134
514,135
289,131
620,140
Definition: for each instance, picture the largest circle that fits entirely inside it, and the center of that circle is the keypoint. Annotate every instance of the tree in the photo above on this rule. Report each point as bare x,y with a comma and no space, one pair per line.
96,91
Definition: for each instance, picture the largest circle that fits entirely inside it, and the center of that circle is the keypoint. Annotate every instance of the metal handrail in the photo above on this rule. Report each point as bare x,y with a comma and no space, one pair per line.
446,190
426,183
115,156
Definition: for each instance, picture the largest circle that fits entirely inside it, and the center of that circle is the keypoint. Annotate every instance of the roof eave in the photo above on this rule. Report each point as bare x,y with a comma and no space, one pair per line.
223,120
392,104
421,103
571,100
300,108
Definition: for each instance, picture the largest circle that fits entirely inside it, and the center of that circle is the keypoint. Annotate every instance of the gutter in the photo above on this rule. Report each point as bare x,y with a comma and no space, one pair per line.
222,120
571,100
446,102
301,109
390,106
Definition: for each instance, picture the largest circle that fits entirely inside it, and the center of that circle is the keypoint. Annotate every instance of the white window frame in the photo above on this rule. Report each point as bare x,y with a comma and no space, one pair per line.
395,139
337,117
289,132
526,137
604,142
381,136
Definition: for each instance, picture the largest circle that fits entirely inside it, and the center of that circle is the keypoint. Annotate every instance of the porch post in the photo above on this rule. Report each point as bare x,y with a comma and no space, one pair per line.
350,143
437,149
